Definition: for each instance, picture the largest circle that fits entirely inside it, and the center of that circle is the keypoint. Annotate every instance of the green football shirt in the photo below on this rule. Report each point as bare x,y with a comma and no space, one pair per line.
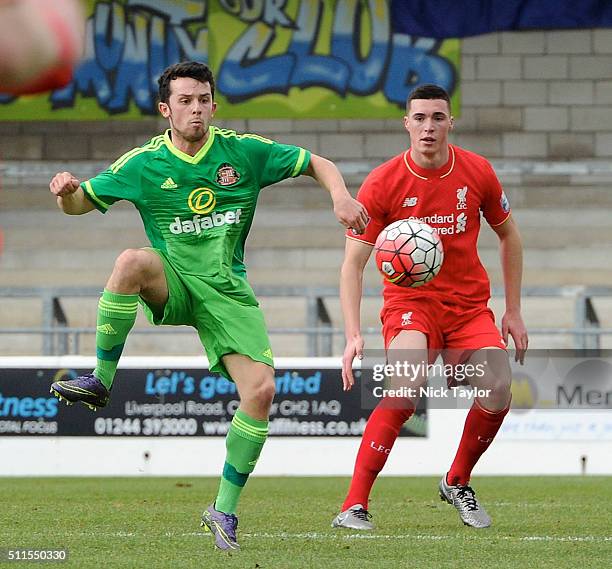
198,209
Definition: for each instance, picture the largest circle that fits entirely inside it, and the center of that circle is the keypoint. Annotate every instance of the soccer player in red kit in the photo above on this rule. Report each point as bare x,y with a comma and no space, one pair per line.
448,188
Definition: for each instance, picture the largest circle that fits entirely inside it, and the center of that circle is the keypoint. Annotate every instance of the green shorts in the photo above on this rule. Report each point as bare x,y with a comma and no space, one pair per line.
224,311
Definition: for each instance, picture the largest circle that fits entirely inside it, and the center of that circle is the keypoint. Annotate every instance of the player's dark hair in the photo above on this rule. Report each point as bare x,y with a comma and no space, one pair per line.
192,69
428,91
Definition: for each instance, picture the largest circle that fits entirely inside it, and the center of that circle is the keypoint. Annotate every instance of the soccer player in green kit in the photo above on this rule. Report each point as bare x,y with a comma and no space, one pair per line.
196,188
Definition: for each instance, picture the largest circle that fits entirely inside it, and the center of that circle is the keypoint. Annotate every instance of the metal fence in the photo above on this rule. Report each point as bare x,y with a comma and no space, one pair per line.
59,338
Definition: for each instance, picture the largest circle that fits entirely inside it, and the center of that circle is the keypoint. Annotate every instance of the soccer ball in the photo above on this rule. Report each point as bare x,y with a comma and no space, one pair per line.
409,253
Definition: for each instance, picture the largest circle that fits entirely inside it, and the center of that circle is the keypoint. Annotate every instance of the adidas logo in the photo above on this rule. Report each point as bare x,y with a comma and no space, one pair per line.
169,184
267,353
106,329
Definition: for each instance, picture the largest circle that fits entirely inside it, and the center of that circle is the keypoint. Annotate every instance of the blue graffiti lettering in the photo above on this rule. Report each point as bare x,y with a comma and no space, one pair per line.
178,12
109,35
130,43
314,70
366,74
158,53
267,11
414,62
394,63
245,73
89,78
128,47
131,74
273,13
246,11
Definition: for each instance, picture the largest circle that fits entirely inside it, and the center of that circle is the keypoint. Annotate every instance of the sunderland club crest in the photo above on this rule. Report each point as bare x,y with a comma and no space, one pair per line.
227,175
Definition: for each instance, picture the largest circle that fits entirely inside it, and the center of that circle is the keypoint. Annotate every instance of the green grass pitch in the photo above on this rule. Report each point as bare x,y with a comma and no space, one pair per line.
538,522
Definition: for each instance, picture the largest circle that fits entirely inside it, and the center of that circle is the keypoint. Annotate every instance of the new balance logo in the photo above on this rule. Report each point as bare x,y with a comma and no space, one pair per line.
106,329
169,184
410,202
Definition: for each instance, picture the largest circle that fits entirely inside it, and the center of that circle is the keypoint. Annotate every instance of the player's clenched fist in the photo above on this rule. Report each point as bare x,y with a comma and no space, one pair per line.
63,184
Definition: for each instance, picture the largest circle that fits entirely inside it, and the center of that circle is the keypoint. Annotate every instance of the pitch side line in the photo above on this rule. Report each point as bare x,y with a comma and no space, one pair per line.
418,537
425,537
339,536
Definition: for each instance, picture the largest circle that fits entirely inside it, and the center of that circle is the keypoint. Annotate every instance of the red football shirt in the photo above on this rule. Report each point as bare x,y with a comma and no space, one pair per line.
450,199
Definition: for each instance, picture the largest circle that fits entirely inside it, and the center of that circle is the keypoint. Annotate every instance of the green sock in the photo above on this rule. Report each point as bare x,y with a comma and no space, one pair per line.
116,316
244,442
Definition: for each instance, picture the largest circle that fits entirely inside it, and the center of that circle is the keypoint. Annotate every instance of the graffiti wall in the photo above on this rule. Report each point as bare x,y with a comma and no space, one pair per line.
272,58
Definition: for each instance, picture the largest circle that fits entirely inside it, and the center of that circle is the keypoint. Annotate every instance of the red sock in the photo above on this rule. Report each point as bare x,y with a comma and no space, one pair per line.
480,429
382,429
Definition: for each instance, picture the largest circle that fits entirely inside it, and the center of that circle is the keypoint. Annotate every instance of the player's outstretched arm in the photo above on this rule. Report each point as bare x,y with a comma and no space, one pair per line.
511,253
356,255
349,211
70,196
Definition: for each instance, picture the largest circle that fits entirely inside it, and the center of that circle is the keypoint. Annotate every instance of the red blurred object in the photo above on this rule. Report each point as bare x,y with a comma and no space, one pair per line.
40,42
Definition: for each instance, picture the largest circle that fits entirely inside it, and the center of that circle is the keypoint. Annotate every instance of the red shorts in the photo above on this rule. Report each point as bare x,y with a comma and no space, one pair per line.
447,326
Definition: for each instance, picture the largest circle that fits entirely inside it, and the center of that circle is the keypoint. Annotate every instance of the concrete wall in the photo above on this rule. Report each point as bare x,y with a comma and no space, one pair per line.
529,95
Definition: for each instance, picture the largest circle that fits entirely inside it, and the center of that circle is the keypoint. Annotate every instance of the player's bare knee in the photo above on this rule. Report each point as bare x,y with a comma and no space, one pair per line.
501,395
262,387
259,390
498,393
132,264
496,384
266,390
